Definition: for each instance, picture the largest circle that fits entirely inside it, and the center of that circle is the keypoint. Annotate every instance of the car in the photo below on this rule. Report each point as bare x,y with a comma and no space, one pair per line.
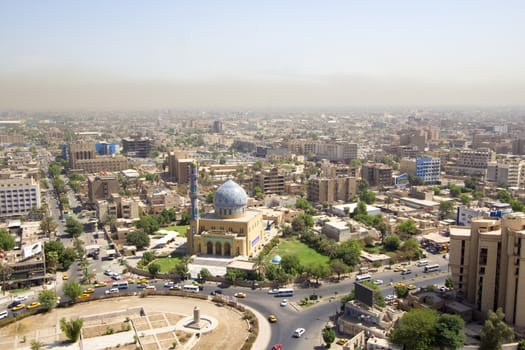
406,271
398,269
112,291
20,298
58,299
13,304
108,273
151,287
277,347
89,290
169,284
142,285
216,292
143,281
116,277
298,332
411,287
272,318
18,307
100,284
240,295
378,282
65,277
273,291
176,287
399,285
341,341
284,302
33,305
390,297
84,296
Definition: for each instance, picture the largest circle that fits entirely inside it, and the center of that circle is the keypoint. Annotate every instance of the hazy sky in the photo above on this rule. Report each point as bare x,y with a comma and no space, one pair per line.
205,54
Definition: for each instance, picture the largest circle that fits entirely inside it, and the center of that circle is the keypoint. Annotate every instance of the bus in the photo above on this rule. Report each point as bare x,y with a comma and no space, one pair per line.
363,278
431,268
121,285
190,288
284,292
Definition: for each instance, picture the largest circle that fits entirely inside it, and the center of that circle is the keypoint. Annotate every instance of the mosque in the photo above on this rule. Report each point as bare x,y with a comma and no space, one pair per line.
231,229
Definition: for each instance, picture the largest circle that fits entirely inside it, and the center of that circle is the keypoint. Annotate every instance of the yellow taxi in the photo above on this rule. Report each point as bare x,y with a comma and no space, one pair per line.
142,281
84,296
240,295
89,290
342,341
399,285
33,305
100,284
411,286
18,307
65,276
398,269
272,318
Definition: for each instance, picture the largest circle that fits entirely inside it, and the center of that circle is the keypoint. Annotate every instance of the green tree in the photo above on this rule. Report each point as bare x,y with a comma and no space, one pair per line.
138,238
392,242
303,204
7,242
204,274
148,223
407,228
48,225
465,199
291,264
67,258
516,205
71,328
455,190
328,336
449,283
73,227
411,248
471,183
504,196
184,219
257,192
446,208
47,299
416,330
148,257
257,166
72,290
154,269
495,331
401,291
368,197
338,267
350,252
449,332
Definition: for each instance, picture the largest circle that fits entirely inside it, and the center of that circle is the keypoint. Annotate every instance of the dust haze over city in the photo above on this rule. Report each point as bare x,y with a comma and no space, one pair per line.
262,175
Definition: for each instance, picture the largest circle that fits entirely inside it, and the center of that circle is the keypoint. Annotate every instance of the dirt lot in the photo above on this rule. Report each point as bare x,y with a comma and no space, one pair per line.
230,333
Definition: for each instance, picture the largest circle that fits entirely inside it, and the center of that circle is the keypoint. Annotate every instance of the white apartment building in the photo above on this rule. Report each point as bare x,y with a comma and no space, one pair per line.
18,196
472,162
508,171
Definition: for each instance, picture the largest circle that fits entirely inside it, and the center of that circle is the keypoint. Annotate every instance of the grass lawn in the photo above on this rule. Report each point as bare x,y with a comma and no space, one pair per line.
181,229
166,264
305,254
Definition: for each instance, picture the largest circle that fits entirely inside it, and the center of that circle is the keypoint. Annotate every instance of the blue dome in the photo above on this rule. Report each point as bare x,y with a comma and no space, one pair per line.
276,259
230,199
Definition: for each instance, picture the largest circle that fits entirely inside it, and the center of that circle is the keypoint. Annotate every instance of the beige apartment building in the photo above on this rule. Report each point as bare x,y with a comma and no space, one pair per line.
101,187
179,167
343,188
271,181
487,265
377,174
472,162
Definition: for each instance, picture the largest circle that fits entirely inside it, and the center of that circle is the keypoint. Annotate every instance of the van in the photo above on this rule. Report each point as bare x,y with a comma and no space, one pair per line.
4,314
421,263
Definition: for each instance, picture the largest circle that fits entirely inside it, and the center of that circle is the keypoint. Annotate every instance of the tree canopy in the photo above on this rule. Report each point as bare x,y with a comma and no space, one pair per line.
138,238
7,242
495,331
73,227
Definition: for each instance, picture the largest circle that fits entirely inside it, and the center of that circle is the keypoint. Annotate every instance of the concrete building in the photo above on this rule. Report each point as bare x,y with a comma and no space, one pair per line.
83,158
377,174
81,150
427,169
18,196
342,188
271,181
487,265
231,230
179,167
119,207
509,171
101,187
472,163
217,126
137,146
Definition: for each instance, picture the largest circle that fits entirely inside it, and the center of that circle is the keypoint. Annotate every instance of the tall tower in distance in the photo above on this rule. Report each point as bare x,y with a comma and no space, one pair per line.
194,192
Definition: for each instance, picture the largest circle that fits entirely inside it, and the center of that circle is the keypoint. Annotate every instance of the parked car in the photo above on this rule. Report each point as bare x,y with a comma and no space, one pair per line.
20,298
299,332
33,305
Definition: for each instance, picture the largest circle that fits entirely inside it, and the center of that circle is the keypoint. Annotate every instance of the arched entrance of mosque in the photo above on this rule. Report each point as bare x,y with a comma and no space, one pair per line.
218,249
227,249
209,248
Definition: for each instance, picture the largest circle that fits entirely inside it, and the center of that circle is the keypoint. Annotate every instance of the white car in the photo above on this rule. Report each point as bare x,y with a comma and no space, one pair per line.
20,298
169,284
390,297
298,332
108,273
112,291
284,302
151,286
378,282
273,291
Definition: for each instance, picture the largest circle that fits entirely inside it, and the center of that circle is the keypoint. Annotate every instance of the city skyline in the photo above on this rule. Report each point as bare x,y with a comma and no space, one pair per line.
111,55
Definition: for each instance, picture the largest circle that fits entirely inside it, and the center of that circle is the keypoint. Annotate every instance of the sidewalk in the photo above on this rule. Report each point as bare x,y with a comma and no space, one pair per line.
265,333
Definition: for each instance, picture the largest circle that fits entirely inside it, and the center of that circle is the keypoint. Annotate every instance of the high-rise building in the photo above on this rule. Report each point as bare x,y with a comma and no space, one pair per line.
179,167
217,126
137,146
427,169
18,196
101,187
472,162
487,264
271,181
377,174
341,188
509,171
